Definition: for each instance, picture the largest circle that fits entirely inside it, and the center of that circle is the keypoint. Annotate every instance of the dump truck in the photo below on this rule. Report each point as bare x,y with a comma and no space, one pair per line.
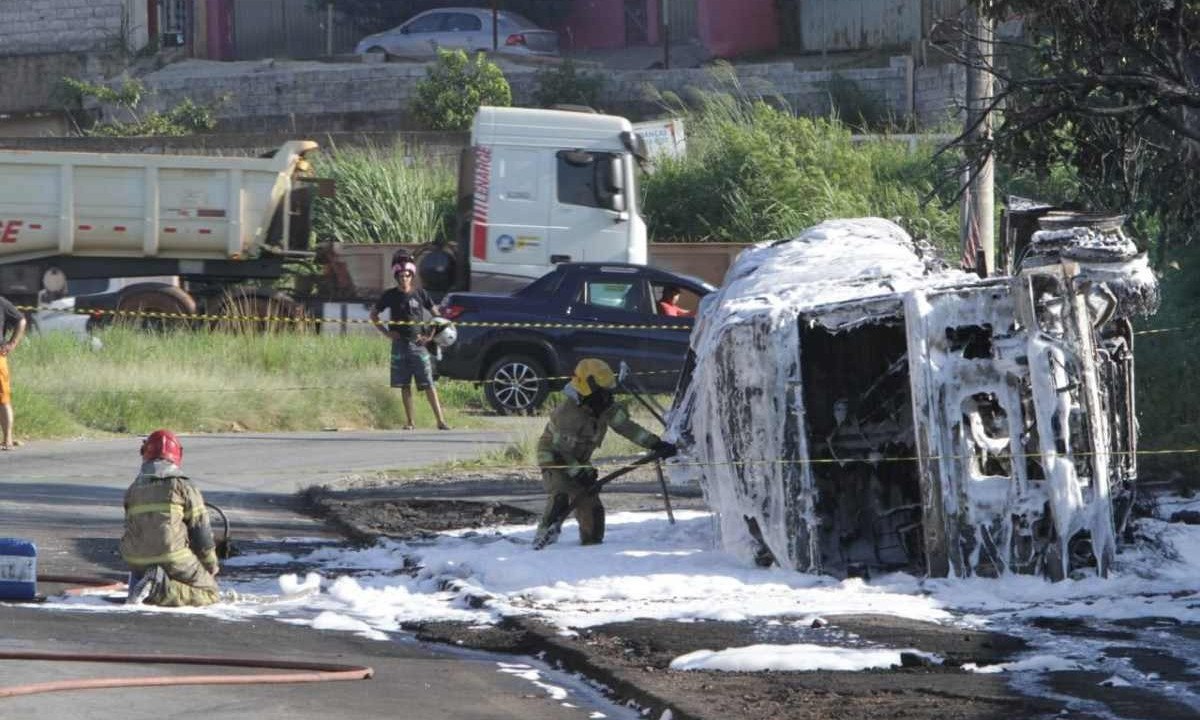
213,222
536,188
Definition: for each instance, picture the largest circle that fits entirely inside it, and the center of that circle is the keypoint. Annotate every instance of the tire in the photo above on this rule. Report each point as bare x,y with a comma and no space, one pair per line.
166,300
240,308
515,385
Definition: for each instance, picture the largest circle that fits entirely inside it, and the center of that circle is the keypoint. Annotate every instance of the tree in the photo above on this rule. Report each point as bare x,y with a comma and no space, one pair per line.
1109,89
186,118
455,86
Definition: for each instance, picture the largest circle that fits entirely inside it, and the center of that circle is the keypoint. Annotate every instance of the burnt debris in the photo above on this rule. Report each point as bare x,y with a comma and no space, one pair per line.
855,404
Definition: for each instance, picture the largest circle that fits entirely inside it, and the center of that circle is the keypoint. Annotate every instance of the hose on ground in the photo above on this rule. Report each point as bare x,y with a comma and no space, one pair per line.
307,671
83,584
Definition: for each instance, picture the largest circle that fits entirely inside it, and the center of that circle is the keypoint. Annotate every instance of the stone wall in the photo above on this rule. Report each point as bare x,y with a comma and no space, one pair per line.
273,94
49,26
940,93
30,81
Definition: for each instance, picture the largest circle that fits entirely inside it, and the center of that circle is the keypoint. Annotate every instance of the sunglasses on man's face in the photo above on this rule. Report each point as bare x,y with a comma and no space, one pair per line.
405,273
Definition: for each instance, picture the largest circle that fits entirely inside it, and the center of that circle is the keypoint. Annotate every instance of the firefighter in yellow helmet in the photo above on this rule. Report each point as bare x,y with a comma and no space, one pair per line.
576,428
168,541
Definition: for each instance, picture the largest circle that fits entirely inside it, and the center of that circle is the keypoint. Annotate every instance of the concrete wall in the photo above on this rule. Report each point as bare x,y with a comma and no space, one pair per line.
939,95
47,26
29,81
327,96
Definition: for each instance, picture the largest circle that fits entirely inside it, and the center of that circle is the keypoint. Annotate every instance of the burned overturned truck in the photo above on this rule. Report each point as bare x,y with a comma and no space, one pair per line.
850,402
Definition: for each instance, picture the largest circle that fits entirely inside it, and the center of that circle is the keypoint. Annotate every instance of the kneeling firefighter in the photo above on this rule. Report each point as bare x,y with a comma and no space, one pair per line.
168,542
576,428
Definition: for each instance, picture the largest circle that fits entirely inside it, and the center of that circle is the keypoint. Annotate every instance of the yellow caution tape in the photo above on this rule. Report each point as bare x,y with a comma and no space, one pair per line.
293,388
324,321
404,323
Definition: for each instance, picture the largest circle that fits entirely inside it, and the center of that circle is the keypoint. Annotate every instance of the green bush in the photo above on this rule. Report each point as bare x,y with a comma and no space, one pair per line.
564,85
186,118
385,196
754,172
455,87
1168,372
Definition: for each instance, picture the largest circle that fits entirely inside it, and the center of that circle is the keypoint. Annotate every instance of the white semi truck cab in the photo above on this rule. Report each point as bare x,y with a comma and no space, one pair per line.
538,188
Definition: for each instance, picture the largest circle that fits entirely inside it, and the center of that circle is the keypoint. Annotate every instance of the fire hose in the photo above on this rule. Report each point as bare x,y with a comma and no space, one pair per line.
307,671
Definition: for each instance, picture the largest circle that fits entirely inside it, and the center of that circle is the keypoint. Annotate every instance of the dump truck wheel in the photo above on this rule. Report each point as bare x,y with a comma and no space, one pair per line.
165,300
246,312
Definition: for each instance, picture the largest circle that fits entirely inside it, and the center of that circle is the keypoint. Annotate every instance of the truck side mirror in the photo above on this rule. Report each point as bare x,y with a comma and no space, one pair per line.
614,185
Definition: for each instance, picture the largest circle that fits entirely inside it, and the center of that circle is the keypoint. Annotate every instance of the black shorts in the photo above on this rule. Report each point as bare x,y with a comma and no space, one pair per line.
411,363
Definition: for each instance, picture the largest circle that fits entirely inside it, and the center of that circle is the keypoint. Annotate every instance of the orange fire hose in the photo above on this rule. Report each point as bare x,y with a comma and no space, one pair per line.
313,672
83,583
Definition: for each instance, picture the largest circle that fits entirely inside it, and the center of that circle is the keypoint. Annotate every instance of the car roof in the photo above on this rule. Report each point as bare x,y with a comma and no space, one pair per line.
482,12
649,269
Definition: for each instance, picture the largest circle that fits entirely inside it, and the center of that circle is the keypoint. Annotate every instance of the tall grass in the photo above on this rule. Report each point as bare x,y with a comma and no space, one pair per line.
213,382
385,195
755,172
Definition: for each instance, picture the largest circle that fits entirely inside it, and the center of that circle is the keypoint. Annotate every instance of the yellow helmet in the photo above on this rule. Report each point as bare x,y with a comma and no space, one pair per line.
597,370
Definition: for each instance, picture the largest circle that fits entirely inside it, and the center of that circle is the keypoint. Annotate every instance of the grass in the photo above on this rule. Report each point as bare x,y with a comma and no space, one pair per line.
393,195
214,382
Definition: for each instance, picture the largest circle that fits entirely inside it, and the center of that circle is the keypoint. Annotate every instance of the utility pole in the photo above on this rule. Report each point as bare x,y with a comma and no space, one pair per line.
666,33
978,231
495,26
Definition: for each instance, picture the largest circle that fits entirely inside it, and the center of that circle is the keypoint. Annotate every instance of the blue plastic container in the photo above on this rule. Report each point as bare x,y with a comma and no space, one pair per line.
18,569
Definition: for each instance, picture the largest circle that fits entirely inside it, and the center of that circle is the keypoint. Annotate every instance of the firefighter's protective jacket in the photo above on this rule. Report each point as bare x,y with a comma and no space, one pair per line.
574,433
166,522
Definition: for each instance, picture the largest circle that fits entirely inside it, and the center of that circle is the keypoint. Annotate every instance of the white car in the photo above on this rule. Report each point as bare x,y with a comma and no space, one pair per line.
468,29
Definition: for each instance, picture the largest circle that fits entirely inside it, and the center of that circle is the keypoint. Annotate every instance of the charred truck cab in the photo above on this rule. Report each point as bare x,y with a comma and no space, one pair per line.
898,415
537,188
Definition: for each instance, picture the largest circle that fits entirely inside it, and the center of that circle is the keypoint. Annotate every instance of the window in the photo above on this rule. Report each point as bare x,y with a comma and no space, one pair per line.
462,22
584,177
516,21
426,23
517,175
616,295
687,301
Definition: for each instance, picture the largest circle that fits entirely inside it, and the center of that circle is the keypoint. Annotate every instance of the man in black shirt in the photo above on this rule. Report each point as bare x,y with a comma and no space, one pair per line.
12,331
410,360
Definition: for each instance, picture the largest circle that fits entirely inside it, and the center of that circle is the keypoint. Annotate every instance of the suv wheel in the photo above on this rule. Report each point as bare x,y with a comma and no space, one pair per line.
515,385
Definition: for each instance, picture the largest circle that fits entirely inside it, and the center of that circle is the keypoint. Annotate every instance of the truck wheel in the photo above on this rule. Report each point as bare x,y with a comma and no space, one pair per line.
165,300
515,385
240,313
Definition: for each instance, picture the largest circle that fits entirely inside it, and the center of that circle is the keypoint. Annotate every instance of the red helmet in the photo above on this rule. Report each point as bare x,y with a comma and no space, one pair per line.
162,445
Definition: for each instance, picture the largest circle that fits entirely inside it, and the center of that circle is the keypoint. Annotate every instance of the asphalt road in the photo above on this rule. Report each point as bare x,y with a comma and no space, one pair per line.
66,497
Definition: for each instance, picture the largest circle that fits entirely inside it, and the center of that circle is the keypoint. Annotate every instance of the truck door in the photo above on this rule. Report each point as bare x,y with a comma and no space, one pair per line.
510,234
584,226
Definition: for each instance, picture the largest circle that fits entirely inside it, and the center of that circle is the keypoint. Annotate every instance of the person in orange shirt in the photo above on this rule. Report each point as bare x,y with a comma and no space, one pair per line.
10,317
668,303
